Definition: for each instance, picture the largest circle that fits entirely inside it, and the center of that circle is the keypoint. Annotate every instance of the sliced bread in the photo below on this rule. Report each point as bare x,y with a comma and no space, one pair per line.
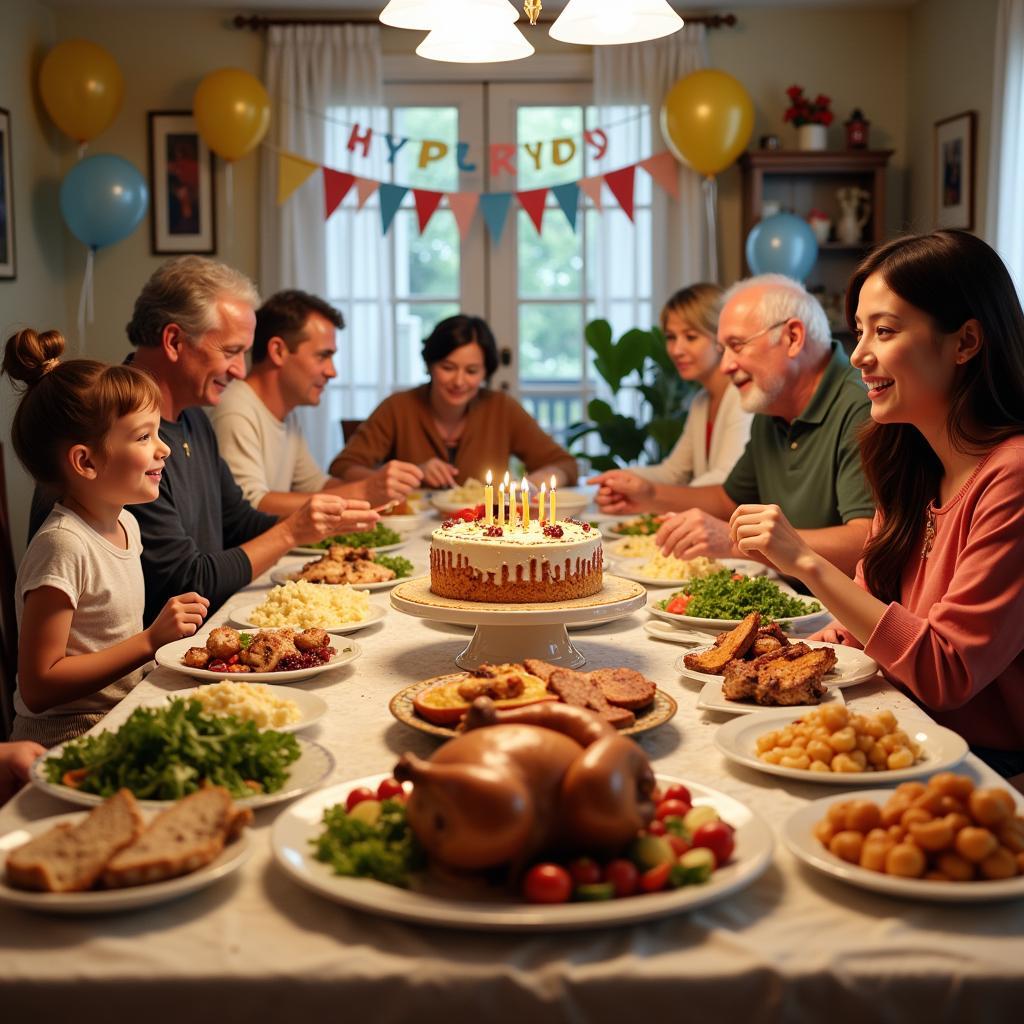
179,840
69,858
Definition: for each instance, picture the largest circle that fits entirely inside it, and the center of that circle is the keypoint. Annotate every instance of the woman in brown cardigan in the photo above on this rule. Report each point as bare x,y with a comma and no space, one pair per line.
454,427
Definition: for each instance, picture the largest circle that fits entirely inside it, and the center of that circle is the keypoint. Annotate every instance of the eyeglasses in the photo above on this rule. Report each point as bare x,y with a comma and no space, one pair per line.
735,346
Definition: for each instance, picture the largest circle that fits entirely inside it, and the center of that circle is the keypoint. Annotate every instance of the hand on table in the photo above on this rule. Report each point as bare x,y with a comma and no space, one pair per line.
325,515
622,492
692,533
180,617
438,473
392,482
15,761
764,529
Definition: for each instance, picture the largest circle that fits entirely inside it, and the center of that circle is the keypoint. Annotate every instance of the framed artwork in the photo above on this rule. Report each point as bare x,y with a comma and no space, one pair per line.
8,268
183,215
954,171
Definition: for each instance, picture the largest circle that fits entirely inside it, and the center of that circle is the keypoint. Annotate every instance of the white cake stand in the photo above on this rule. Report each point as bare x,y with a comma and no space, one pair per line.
511,632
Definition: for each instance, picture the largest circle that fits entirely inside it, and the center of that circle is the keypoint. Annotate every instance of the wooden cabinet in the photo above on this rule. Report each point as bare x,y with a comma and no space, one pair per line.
798,182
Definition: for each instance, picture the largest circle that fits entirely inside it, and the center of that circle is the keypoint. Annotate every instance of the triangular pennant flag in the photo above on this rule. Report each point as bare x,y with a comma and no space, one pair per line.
391,197
664,169
292,171
494,206
336,186
463,205
533,203
621,183
364,189
591,187
426,203
568,197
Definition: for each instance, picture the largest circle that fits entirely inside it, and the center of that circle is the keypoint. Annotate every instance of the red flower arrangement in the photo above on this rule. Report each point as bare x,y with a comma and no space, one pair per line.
805,111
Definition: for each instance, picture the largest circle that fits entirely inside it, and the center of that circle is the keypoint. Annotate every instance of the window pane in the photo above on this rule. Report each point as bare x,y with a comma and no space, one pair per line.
422,125
550,264
431,260
550,342
539,127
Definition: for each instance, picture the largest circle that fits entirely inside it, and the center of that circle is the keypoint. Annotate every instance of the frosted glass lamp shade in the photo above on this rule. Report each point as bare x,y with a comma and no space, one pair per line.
607,22
425,15
485,39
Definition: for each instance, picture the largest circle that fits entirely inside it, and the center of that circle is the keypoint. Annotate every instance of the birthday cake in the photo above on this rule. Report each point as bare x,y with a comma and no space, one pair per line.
507,563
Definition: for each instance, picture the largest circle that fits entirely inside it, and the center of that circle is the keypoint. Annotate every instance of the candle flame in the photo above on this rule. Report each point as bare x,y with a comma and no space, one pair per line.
525,485
552,481
489,478
543,488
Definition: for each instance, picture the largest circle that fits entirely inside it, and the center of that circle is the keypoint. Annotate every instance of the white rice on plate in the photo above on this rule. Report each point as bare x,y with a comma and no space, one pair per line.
302,605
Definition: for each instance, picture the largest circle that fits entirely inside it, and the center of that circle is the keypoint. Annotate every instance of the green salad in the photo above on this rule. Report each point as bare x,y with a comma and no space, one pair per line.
396,563
720,596
378,537
384,849
168,752
642,526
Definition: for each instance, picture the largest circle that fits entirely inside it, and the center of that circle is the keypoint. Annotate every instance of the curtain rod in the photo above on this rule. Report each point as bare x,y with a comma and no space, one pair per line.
257,22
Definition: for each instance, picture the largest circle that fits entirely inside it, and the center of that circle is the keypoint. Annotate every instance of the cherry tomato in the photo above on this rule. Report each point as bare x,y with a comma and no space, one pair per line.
656,827
717,836
655,879
358,795
547,883
677,791
390,789
585,871
677,606
678,843
671,809
623,875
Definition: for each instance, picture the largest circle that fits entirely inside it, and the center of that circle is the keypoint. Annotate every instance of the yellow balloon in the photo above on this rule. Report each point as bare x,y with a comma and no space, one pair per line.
81,88
232,112
706,119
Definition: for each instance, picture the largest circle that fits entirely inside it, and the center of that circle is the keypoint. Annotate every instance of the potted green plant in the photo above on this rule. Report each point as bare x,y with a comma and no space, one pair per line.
637,361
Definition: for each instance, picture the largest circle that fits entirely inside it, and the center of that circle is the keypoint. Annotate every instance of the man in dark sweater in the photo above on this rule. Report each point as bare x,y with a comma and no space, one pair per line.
192,324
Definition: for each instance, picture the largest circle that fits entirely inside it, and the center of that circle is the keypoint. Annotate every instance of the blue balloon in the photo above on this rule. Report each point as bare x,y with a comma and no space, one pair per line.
102,199
782,244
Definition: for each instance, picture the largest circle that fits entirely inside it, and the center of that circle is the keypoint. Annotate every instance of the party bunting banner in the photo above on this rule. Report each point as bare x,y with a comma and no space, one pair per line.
294,171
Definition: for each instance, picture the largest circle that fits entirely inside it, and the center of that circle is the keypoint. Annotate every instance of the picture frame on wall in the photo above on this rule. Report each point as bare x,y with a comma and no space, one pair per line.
954,170
183,211
8,265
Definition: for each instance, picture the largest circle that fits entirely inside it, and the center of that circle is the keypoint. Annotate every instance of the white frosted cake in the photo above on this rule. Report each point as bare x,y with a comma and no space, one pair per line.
546,562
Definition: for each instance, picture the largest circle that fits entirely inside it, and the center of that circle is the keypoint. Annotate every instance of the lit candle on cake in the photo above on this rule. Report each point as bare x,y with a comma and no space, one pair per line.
552,513
512,510
501,504
540,503
489,500
526,503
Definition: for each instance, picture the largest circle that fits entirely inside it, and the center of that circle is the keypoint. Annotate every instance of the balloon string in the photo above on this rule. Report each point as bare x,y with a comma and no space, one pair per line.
85,299
229,195
710,187
82,146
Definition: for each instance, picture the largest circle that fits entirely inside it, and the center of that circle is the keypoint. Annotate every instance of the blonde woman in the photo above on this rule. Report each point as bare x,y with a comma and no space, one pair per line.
717,428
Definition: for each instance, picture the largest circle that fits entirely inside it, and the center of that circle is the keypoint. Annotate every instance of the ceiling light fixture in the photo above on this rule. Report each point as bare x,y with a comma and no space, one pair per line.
482,39
610,22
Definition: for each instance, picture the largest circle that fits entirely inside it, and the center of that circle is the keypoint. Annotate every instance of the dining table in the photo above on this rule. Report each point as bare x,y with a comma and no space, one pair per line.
795,945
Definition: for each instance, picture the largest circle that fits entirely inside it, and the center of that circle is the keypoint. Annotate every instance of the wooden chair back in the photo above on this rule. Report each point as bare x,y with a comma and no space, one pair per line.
348,429
8,619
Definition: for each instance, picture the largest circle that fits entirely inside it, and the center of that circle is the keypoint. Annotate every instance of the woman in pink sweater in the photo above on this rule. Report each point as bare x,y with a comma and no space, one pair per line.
938,599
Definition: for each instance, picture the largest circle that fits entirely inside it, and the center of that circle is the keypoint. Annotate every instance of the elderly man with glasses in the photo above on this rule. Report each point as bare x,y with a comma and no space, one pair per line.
802,454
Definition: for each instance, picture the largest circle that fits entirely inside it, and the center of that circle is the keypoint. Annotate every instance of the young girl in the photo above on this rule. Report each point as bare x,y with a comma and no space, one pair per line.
717,428
89,431
938,599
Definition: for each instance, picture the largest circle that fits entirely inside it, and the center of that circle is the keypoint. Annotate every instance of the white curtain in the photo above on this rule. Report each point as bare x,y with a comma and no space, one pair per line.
1005,218
639,76
323,80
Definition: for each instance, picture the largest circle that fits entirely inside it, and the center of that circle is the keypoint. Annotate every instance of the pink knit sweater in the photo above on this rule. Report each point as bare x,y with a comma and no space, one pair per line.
955,642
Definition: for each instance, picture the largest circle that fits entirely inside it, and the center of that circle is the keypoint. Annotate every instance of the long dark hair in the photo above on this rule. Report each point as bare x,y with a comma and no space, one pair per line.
953,277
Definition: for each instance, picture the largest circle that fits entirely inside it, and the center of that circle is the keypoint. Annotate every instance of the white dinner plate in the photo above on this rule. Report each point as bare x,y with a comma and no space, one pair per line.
711,698
567,502
314,765
629,569
853,666
408,523
798,836
382,550
104,901
170,655
941,749
675,634
282,576
239,615
799,623
310,706
435,907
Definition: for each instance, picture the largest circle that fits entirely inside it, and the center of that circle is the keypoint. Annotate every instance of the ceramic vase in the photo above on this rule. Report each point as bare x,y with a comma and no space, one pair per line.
811,137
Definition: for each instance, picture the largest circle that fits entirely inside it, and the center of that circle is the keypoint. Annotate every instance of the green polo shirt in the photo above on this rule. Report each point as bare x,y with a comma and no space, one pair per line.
811,467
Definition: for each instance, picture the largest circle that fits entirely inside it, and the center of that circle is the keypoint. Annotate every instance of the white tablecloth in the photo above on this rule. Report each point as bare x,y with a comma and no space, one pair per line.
794,946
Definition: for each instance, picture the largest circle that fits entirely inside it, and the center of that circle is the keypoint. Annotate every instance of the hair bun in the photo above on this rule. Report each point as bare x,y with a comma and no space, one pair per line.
28,357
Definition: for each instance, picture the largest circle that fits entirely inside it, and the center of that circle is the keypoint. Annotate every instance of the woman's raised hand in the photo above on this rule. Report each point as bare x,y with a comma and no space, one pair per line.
438,473
765,529
622,492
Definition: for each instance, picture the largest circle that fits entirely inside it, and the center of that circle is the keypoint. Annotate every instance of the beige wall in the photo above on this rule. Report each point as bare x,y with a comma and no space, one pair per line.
951,48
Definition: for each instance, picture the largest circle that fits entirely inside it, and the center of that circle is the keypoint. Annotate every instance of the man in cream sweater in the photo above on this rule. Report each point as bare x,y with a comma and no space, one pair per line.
258,432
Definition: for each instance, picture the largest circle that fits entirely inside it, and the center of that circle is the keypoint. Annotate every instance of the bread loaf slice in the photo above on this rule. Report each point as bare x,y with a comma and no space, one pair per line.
179,840
69,858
